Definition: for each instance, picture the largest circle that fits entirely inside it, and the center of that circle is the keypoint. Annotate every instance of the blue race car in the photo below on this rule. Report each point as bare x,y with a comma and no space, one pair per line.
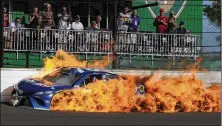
38,94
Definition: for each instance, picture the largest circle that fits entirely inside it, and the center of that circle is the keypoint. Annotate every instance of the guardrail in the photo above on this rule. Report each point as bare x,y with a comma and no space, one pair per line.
40,40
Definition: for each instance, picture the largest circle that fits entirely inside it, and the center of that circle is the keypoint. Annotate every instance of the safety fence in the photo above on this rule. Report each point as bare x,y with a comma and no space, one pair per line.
155,44
40,40
89,42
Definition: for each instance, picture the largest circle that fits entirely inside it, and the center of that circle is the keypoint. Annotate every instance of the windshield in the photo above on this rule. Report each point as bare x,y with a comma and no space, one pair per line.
62,77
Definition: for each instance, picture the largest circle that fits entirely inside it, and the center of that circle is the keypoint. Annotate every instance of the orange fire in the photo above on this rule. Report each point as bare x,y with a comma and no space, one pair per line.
163,94
178,94
63,59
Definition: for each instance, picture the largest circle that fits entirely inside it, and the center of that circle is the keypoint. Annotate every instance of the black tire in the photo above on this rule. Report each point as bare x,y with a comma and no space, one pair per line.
15,100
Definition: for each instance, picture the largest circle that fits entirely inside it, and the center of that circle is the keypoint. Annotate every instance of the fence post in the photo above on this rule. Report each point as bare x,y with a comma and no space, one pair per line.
1,33
115,60
27,55
89,7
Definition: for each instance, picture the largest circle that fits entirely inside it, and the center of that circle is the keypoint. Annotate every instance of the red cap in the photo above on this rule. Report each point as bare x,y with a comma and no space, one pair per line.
161,10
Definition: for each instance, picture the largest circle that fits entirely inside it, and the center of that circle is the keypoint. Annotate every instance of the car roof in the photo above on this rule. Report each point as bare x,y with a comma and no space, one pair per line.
83,71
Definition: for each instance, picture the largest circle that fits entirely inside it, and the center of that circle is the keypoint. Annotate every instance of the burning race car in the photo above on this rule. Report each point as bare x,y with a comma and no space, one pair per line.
38,93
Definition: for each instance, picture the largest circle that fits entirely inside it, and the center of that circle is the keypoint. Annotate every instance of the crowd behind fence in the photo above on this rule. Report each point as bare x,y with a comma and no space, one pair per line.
39,40
155,44
101,42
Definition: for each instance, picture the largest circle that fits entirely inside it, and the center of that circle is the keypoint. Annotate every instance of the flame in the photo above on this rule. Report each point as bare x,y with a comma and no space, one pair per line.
163,94
63,59
167,94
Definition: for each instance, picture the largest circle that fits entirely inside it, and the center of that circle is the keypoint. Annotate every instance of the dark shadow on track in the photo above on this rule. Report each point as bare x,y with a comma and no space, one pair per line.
22,116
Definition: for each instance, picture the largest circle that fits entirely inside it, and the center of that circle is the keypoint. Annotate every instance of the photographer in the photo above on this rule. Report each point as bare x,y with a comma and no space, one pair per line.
64,19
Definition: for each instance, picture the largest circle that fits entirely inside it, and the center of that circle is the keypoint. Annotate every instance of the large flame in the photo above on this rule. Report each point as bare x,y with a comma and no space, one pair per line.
178,94
163,94
63,59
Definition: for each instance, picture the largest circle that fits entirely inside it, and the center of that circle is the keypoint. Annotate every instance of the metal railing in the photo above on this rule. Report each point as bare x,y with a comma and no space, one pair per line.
100,42
154,44
40,40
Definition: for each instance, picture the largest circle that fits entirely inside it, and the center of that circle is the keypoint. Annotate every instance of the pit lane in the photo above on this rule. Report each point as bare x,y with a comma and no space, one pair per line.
23,116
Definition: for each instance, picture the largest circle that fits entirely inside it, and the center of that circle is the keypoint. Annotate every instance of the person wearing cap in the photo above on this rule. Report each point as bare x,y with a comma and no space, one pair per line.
94,26
180,39
47,17
181,29
77,25
64,19
172,23
171,26
161,22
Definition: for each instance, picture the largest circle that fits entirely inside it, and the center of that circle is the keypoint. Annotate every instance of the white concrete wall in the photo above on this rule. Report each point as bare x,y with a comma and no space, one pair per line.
9,77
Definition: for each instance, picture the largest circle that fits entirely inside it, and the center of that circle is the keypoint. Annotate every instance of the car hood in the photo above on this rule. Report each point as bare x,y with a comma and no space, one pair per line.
31,85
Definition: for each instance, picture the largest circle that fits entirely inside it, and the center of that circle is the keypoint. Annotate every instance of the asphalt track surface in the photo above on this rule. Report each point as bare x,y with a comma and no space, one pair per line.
23,116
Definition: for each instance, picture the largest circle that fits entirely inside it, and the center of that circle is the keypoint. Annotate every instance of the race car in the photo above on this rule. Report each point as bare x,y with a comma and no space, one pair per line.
38,93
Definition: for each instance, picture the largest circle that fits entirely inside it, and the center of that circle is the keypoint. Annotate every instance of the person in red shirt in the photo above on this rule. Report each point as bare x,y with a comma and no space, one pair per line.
6,20
161,22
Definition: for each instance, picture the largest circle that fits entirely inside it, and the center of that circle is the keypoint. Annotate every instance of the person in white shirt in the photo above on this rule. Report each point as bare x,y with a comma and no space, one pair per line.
124,20
16,24
13,33
64,19
77,25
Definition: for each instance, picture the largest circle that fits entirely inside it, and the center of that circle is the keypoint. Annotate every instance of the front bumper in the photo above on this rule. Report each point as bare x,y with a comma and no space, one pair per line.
35,101
40,102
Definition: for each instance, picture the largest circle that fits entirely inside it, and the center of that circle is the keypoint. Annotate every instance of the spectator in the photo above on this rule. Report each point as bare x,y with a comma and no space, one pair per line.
34,18
77,25
6,19
98,21
16,24
48,18
161,22
23,22
94,26
13,34
134,22
123,20
170,29
64,19
181,29
181,39
171,23
40,19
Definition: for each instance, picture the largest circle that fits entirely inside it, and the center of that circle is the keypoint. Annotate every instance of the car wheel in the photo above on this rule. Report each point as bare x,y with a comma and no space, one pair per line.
15,99
140,89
